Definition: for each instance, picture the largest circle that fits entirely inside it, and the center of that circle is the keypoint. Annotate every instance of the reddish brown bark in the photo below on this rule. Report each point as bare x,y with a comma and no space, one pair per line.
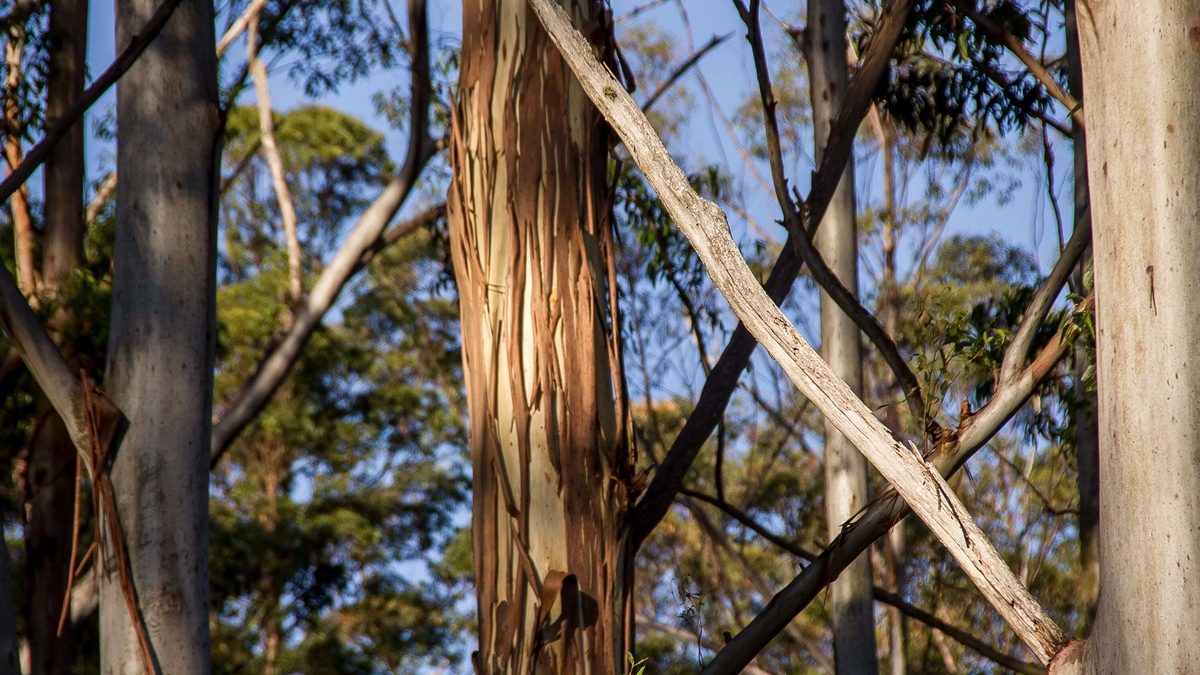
529,221
52,454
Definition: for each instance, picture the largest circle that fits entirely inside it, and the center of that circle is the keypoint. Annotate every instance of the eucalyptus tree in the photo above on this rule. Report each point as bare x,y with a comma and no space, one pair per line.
837,240
1142,126
531,241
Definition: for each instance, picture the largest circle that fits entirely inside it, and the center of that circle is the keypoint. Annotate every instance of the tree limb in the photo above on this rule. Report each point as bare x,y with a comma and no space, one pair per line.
705,226
957,634
365,235
719,386
125,60
681,69
266,125
881,594
951,452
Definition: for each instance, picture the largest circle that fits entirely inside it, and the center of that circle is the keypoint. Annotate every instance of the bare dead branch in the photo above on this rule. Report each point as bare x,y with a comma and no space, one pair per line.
719,386
266,126
705,226
107,188
240,25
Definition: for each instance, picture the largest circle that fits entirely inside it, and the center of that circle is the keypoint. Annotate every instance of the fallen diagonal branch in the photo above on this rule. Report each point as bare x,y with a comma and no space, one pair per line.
951,452
720,384
891,23
705,226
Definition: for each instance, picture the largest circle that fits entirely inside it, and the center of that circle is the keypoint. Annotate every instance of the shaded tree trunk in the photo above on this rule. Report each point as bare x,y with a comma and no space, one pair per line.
9,663
531,243
1140,64
51,478
1087,448
893,547
837,239
162,338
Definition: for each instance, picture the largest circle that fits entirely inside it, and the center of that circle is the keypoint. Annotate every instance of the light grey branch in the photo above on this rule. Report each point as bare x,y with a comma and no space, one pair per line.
705,226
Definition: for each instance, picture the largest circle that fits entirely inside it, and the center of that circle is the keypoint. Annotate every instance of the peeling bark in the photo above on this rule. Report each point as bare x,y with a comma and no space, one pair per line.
531,244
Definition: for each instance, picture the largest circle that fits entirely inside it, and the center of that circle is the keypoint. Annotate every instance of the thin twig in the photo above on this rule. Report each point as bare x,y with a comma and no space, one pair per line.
682,69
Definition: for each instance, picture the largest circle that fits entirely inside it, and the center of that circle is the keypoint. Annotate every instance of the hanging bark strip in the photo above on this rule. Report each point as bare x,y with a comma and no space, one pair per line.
102,436
706,228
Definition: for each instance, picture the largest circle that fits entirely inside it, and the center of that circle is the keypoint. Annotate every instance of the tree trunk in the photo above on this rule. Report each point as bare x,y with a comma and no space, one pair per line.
837,240
162,338
22,221
52,454
1087,449
9,664
1140,65
532,249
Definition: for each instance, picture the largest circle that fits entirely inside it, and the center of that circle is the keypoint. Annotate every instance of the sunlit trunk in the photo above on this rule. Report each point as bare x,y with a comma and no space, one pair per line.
1140,65
530,238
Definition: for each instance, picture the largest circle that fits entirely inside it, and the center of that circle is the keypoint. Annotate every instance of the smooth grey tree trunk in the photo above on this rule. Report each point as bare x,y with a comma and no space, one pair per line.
837,240
162,338
1141,63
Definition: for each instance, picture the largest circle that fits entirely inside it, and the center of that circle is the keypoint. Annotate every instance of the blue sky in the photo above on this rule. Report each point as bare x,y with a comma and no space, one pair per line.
1025,220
